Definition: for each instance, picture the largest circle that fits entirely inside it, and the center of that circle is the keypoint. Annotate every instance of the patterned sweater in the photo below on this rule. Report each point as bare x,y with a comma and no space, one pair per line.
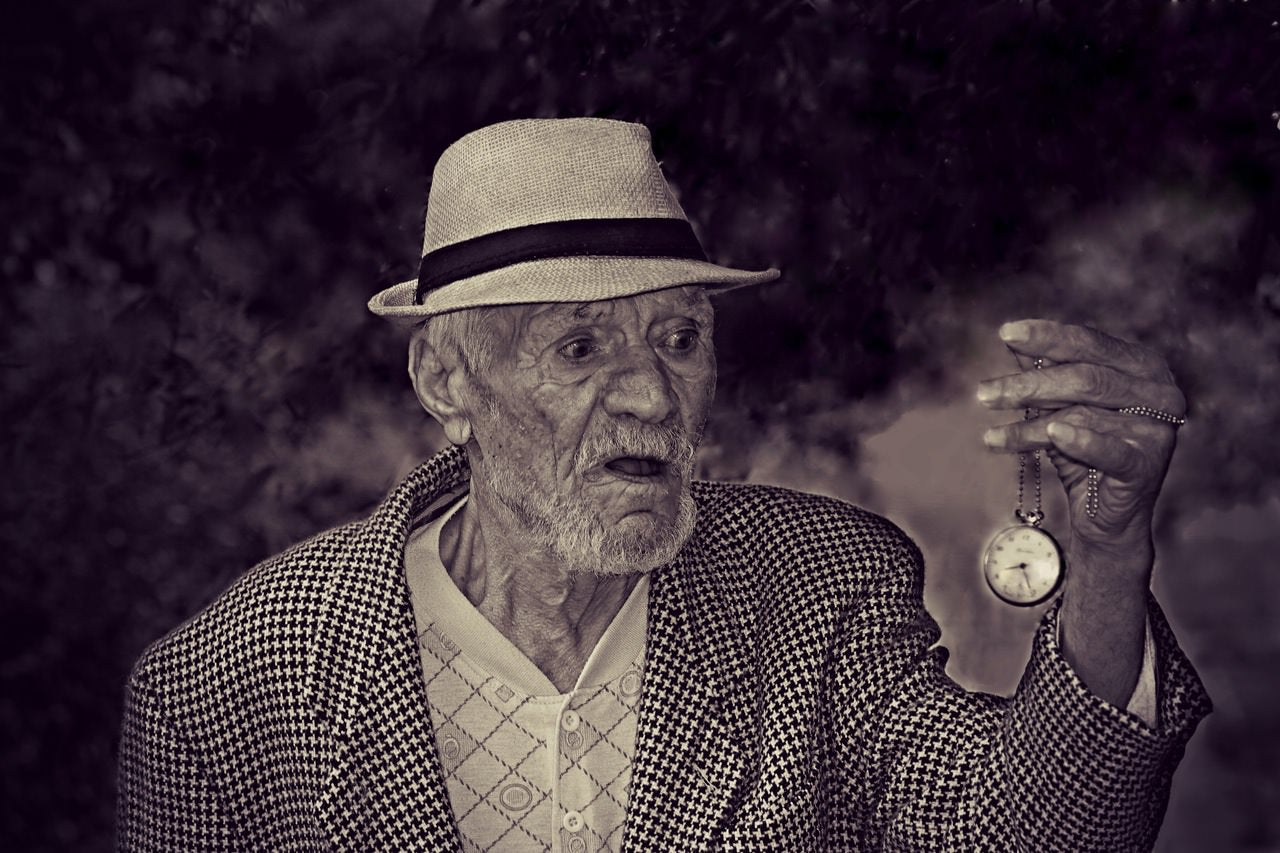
794,699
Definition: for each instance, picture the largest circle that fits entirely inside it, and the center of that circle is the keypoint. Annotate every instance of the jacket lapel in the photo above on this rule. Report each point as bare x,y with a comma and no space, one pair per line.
385,787
692,765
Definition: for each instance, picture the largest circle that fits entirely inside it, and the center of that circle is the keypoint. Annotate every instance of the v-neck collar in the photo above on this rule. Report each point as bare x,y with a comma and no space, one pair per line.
385,787
438,600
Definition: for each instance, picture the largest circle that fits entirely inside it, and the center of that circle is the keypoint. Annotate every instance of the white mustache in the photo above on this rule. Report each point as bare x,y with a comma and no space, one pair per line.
668,444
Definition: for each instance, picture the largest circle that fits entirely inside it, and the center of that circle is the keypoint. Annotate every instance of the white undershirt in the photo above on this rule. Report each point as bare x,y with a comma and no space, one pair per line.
526,767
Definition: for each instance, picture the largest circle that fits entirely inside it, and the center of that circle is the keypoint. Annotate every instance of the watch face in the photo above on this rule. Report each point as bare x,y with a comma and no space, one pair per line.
1023,565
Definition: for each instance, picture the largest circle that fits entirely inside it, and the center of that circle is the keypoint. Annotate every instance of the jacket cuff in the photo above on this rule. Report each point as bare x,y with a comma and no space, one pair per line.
1142,701
1114,768
1180,699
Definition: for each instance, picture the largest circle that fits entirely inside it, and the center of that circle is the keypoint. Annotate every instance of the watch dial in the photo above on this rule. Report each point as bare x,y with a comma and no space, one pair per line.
1023,565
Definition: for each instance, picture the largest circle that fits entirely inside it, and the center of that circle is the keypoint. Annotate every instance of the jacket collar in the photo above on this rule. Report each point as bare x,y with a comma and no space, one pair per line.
386,786
693,745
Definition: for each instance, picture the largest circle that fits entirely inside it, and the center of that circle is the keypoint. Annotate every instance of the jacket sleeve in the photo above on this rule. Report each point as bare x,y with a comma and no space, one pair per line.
166,801
926,765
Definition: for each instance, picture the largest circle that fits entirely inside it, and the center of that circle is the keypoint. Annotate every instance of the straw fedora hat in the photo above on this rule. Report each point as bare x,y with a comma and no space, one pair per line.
552,210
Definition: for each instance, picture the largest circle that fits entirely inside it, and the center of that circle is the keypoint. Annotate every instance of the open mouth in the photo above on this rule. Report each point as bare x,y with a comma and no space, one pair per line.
639,467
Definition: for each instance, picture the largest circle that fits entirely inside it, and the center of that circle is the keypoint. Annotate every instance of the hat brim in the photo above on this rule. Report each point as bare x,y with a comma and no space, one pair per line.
589,278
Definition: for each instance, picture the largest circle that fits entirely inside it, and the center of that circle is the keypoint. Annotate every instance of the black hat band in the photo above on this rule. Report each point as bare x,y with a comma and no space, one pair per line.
633,237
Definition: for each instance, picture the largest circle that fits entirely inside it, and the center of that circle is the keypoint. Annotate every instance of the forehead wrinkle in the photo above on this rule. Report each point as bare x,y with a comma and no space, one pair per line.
547,316
592,310
551,312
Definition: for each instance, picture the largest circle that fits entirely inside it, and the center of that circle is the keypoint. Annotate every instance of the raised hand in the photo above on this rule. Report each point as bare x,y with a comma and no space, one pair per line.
1085,379
1109,411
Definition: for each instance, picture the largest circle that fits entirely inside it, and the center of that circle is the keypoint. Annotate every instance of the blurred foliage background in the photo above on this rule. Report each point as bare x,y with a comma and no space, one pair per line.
198,199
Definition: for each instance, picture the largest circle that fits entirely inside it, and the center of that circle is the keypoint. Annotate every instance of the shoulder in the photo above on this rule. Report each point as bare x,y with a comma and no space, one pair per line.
265,620
786,534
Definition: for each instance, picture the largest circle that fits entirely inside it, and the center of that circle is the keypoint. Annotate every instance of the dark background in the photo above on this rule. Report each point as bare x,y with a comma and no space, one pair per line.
198,198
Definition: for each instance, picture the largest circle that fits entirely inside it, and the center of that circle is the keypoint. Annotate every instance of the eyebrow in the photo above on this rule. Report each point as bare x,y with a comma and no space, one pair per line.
693,296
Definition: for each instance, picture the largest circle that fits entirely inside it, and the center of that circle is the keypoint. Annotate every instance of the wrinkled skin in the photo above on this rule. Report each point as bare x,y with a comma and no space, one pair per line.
555,534
579,386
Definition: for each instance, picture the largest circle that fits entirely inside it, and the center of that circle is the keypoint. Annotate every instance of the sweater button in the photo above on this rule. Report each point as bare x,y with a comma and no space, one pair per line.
573,821
570,721
630,685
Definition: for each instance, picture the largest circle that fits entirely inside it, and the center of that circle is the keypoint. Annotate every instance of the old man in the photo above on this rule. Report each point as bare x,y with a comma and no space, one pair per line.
549,637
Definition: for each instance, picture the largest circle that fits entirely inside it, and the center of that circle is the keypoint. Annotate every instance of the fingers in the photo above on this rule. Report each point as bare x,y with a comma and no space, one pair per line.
1027,362
1107,453
1121,445
1063,342
1080,383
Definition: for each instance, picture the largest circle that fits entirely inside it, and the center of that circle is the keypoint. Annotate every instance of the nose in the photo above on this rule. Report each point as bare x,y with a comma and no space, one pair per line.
640,387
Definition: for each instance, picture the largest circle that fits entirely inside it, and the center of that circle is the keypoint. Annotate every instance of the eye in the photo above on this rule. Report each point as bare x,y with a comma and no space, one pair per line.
578,349
682,340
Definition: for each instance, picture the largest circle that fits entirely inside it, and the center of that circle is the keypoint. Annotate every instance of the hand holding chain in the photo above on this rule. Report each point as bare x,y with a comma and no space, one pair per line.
1095,476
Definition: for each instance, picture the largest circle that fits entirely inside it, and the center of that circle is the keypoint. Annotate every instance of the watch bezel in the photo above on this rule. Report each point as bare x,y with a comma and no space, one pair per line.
1057,582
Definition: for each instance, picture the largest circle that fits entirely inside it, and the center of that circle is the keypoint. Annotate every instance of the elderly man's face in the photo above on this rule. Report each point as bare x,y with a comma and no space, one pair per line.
586,422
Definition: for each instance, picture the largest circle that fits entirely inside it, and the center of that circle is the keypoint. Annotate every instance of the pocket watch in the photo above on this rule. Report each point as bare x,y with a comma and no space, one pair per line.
1023,564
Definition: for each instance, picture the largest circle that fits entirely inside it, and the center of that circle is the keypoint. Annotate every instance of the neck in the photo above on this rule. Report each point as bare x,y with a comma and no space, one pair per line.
553,615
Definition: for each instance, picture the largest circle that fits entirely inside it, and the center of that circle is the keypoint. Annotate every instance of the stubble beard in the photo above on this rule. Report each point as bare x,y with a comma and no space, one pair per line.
571,530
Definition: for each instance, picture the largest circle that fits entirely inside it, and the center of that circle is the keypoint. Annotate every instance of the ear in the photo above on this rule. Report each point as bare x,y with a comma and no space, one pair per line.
438,382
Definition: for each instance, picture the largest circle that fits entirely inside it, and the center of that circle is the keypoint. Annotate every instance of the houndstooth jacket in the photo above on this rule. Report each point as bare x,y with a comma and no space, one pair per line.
793,700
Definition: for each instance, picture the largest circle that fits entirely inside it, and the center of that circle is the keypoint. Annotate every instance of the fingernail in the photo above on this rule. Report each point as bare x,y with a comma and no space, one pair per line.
1015,332
1061,432
993,438
988,392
